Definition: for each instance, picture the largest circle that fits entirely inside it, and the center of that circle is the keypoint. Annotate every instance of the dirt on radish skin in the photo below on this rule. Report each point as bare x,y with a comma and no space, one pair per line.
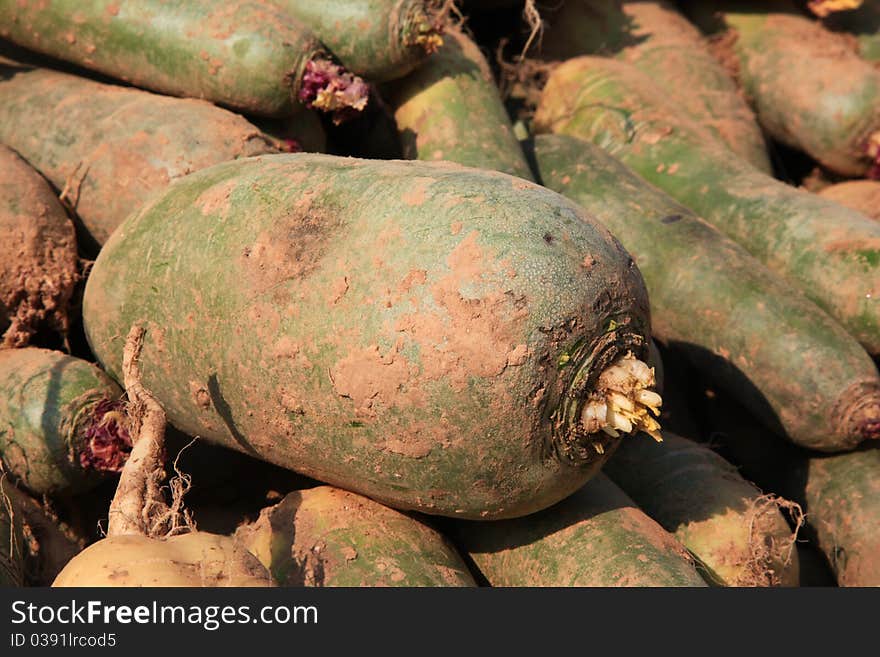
198,559
356,339
595,537
249,56
739,535
329,537
860,195
113,147
38,260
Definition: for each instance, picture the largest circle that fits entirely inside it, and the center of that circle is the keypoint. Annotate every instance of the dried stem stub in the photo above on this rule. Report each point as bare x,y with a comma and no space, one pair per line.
328,87
621,402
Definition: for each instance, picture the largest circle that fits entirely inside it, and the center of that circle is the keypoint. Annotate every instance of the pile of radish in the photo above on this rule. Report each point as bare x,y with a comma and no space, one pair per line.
426,293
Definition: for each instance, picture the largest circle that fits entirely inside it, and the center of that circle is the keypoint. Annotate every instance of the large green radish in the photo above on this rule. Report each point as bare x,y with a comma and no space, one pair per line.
794,366
61,428
247,55
435,337
829,251
326,536
809,87
379,39
110,148
595,537
450,109
738,535
38,261
655,38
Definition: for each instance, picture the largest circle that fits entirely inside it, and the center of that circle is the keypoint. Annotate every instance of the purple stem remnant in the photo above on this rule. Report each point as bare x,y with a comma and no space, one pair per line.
328,87
107,441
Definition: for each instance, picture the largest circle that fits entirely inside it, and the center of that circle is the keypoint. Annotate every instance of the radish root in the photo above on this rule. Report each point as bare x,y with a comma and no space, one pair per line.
139,506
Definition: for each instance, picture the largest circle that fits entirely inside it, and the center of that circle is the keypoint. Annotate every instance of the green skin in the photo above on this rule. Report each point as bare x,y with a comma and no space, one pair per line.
809,87
329,537
737,538
840,494
47,403
830,252
112,147
655,38
247,55
424,334
374,38
595,537
698,279
864,24
450,109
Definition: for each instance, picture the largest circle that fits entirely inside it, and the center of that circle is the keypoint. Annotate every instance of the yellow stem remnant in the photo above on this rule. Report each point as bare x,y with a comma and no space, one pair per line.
621,401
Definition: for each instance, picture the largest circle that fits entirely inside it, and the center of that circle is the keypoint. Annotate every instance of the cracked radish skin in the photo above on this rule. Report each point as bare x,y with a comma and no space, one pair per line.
61,431
421,333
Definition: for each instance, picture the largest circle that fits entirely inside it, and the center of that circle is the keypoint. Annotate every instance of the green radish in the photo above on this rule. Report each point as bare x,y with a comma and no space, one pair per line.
329,537
384,327
246,55
109,148
841,496
61,429
864,25
738,535
829,251
860,195
595,537
450,109
379,39
810,89
149,542
840,493
697,278
38,261
655,38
